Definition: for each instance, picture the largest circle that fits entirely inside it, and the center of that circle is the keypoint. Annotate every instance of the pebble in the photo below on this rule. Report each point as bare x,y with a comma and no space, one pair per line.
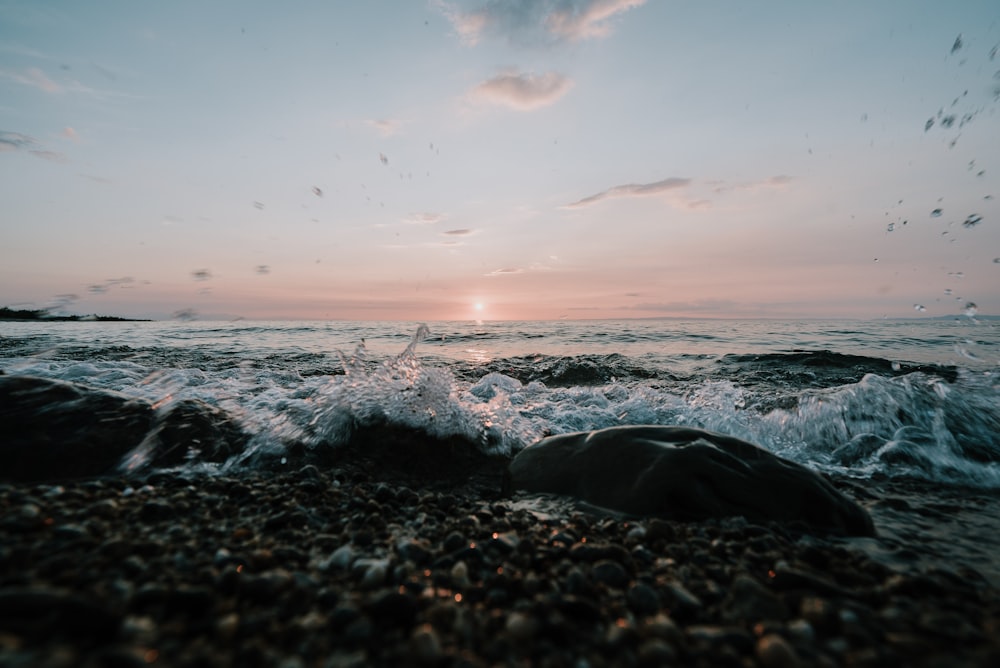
611,573
425,645
773,651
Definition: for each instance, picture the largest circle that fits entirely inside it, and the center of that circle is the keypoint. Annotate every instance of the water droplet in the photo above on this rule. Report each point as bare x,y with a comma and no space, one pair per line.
201,274
947,291
890,227
262,269
896,366
929,124
996,260
958,44
383,158
920,308
258,205
317,191
972,220
948,121
936,213
971,309
876,260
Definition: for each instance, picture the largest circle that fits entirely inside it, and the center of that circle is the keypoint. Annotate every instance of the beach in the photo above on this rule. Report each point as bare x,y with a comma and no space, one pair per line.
351,566
351,513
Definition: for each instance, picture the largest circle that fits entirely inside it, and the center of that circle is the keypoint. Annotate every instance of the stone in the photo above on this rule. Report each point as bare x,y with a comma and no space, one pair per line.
773,651
55,430
611,573
643,599
749,600
686,474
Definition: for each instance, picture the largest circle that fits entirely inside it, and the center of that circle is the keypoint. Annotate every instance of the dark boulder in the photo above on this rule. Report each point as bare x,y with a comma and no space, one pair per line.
52,430
685,474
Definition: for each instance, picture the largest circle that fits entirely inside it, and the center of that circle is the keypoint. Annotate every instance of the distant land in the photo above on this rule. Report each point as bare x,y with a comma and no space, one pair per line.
44,315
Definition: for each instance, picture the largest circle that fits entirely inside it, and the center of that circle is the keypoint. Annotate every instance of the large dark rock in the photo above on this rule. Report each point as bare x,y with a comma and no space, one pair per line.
684,473
51,430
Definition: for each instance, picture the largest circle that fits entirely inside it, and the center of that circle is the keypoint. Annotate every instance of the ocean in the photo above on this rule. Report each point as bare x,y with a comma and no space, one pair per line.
884,399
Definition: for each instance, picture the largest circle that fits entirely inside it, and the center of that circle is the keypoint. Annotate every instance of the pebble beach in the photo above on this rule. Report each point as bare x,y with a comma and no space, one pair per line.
351,565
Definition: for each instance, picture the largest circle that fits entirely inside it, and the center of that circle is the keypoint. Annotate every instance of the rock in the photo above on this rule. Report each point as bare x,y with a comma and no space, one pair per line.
611,573
643,599
46,613
425,645
751,601
773,651
686,474
679,601
57,430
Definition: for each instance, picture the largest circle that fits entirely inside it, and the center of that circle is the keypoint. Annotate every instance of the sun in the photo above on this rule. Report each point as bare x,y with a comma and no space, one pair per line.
478,306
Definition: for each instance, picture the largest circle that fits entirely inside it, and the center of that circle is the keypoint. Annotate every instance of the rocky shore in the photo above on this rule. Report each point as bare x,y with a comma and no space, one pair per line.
349,566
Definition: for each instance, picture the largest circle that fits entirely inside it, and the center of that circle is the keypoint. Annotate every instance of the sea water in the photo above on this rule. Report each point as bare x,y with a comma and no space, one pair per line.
885,398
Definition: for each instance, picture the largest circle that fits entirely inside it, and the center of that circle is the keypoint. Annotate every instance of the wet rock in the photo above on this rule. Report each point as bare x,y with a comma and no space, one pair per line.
678,472
59,430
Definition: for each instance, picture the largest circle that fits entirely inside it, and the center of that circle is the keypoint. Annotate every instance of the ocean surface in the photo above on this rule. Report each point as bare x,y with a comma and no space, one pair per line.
888,399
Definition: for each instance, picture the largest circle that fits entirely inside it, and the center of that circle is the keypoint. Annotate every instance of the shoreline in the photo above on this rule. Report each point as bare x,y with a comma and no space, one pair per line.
346,566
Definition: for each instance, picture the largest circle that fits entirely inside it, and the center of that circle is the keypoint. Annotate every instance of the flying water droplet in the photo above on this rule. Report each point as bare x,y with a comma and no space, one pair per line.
958,44
936,213
972,220
971,309
383,158
929,124
258,205
896,366
920,308
890,227
317,191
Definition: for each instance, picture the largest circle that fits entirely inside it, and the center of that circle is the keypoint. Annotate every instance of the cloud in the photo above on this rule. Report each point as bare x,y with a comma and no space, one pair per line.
698,306
778,181
536,21
386,126
523,91
33,77
506,271
51,156
15,141
633,190
583,20
424,218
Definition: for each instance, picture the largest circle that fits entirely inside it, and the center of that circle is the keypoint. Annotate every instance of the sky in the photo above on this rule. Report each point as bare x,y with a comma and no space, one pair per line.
489,159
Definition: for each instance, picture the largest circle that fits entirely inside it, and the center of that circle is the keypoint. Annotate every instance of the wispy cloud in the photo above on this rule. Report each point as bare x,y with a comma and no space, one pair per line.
424,218
15,141
386,127
523,91
779,181
536,21
33,77
506,271
633,190
51,156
